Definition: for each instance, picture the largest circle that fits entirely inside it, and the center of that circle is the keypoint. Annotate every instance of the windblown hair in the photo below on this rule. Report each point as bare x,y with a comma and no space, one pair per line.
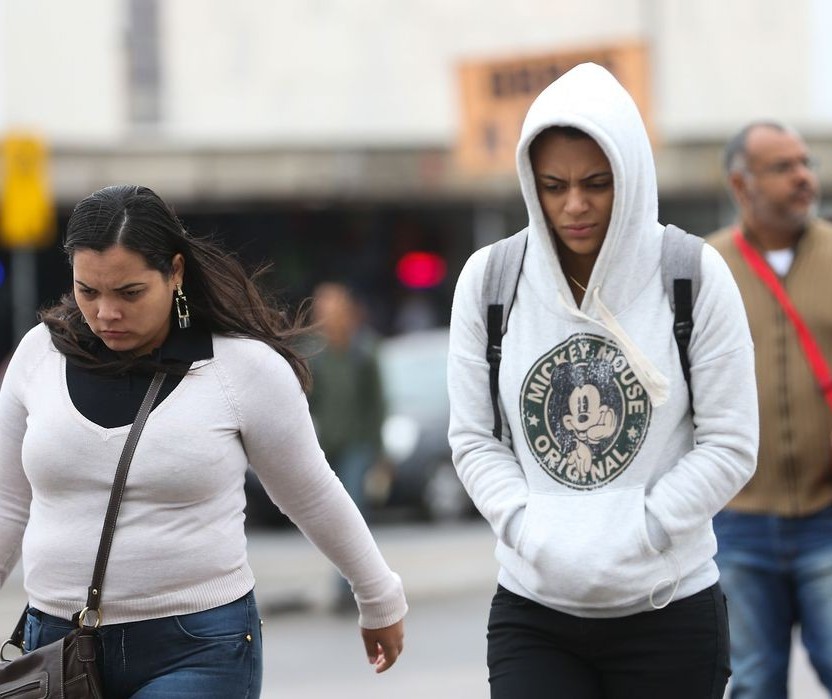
222,297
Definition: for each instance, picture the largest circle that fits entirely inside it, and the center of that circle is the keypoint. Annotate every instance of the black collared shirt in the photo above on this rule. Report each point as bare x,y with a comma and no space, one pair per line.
113,401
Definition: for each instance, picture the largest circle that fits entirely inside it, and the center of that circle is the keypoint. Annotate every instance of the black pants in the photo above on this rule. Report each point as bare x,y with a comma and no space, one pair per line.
680,651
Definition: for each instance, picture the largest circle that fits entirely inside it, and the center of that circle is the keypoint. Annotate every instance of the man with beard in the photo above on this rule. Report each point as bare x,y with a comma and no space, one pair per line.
775,536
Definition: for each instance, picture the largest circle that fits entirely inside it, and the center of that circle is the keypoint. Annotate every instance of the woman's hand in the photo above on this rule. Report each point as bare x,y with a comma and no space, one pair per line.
384,645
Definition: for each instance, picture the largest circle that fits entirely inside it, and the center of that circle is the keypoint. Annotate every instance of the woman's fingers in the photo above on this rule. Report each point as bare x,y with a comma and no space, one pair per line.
384,645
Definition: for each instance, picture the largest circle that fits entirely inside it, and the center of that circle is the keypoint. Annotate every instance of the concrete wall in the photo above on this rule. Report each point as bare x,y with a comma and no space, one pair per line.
351,71
344,72
62,69
254,95
719,63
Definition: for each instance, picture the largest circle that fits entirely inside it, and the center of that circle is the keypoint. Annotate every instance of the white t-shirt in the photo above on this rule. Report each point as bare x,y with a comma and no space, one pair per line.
780,260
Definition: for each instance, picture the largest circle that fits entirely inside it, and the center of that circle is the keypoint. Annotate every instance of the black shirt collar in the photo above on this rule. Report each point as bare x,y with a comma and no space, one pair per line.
112,400
180,346
188,345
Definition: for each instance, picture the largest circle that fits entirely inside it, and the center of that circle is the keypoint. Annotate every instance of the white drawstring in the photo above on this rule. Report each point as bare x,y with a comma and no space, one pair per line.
654,382
673,582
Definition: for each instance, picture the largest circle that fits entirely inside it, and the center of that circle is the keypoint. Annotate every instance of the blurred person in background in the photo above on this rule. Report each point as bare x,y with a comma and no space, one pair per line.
602,490
148,297
775,536
346,399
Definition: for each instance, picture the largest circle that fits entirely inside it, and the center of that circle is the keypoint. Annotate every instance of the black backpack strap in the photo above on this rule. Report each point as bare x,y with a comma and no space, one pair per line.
493,354
681,276
502,273
683,325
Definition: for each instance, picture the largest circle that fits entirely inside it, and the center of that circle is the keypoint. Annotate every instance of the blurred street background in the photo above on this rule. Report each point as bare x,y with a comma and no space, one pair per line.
370,143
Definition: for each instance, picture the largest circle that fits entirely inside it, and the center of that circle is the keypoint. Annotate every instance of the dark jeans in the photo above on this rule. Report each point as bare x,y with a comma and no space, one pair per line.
680,651
215,654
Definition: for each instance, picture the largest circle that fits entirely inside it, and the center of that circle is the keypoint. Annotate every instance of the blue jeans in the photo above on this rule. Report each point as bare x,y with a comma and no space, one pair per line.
215,654
776,572
680,651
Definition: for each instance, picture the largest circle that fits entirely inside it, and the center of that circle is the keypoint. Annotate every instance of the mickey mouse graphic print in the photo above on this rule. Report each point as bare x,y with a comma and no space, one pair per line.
585,413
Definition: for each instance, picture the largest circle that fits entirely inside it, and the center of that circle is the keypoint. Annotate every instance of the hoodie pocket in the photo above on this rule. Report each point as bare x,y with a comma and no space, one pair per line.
589,550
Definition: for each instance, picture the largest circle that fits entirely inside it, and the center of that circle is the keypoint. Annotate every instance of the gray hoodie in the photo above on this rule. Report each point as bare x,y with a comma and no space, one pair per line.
602,494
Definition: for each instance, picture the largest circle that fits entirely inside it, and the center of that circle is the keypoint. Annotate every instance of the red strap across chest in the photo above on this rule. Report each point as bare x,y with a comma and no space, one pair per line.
811,350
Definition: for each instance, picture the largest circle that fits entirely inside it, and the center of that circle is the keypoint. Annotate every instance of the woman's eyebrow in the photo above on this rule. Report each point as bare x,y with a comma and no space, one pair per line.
124,287
600,173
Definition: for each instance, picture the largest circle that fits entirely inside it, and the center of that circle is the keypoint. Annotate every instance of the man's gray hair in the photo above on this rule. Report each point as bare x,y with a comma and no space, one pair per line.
735,157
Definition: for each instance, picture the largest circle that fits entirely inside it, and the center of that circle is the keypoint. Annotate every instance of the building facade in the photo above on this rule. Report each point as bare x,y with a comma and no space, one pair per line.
324,135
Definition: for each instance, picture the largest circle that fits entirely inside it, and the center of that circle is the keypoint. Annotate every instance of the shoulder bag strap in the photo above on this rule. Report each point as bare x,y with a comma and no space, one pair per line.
811,350
116,495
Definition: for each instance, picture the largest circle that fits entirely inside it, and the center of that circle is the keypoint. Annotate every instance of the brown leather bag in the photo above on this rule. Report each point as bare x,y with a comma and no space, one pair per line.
66,669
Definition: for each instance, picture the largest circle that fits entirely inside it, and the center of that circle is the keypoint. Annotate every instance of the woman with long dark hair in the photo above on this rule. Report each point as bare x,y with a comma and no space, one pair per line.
178,612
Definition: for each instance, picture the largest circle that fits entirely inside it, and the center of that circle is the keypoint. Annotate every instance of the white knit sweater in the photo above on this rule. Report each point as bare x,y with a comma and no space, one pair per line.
180,544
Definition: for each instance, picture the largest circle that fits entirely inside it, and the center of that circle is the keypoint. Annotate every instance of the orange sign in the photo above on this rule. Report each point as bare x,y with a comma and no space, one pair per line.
497,94
26,208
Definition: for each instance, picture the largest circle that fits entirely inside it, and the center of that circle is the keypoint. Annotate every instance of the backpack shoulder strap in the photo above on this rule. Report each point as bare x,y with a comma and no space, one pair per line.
499,285
681,277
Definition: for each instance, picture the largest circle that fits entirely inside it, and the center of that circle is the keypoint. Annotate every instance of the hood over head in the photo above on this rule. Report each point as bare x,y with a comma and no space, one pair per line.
590,99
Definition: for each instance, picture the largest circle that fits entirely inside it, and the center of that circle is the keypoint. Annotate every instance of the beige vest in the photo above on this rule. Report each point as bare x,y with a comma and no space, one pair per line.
794,467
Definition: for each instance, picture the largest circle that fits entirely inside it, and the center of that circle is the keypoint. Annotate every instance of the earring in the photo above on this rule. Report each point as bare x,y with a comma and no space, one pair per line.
182,308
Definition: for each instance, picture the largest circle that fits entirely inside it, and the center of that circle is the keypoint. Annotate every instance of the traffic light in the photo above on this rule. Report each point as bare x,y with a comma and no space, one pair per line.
418,269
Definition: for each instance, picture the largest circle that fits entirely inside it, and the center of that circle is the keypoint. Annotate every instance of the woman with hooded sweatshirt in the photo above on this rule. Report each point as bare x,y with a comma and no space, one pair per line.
602,488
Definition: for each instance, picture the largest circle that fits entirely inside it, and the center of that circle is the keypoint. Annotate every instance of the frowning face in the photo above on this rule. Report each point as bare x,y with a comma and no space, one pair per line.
575,189
124,301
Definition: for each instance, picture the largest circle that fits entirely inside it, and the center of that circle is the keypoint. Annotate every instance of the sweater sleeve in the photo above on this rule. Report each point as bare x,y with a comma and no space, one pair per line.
15,492
724,389
283,450
488,468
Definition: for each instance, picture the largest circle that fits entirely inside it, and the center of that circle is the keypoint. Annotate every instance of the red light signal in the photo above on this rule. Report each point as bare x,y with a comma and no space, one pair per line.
421,270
